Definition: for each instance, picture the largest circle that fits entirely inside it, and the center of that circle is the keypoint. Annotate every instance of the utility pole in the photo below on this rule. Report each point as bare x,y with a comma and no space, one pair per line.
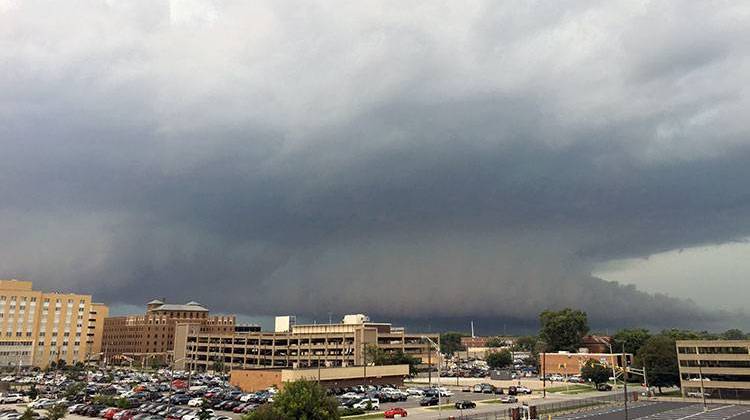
625,380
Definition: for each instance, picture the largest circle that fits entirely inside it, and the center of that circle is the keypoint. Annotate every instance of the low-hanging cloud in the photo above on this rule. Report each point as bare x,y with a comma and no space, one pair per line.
412,161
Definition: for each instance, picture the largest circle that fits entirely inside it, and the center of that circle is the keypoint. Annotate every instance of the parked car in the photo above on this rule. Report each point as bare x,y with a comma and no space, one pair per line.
431,400
394,412
367,404
195,402
509,399
11,398
465,404
604,387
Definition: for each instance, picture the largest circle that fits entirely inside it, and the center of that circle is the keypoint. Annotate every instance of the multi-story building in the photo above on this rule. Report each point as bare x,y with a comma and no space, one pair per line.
149,337
717,368
297,346
38,328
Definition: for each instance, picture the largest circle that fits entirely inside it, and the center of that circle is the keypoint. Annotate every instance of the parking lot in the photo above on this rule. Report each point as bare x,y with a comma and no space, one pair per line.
665,411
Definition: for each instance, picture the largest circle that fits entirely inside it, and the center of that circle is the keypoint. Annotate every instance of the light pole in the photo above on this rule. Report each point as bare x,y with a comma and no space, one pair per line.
437,347
612,361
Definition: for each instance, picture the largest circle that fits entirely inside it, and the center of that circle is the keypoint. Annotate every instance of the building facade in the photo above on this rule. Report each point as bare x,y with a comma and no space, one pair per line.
569,364
302,346
38,328
251,380
150,337
717,368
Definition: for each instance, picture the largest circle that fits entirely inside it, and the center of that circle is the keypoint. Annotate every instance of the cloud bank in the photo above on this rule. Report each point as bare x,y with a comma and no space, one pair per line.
430,160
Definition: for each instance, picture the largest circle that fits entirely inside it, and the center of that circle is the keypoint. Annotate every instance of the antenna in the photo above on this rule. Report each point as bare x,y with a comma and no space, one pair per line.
472,330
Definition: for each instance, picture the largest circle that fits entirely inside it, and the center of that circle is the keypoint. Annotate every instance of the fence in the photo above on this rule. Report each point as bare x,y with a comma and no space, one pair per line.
550,407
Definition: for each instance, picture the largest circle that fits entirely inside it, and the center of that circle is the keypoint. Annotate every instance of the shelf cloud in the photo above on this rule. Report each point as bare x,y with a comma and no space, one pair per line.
431,160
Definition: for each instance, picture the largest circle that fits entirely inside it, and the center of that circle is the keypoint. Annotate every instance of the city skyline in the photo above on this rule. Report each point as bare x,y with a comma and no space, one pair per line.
430,163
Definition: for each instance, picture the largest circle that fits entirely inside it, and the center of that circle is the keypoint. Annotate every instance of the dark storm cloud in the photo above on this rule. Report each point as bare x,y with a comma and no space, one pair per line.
440,162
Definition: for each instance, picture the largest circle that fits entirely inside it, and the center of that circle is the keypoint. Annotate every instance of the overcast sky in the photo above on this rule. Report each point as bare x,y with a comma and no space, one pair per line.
429,162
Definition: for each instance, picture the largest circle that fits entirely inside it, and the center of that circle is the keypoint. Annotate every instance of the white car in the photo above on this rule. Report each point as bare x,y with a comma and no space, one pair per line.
11,399
73,408
365,403
8,379
415,392
350,395
195,402
41,403
523,389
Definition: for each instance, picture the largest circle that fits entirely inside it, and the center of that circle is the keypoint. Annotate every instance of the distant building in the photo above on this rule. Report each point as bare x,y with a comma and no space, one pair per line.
250,380
569,364
720,367
596,344
478,348
302,346
38,328
144,338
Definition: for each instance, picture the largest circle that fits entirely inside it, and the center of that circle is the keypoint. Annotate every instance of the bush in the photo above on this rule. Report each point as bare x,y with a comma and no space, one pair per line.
348,411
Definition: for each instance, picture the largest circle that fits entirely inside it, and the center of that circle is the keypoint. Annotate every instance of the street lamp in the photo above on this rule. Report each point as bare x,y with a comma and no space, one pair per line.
437,347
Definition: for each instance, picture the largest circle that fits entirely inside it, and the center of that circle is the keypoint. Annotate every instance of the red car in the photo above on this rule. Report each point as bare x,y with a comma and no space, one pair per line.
110,412
393,412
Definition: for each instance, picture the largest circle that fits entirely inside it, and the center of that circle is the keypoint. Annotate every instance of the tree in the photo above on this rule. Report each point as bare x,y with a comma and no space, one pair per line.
499,359
33,392
563,330
659,357
204,414
450,342
733,334
57,412
495,342
632,339
28,414
595,372
301,400
264,412
525,343
218,365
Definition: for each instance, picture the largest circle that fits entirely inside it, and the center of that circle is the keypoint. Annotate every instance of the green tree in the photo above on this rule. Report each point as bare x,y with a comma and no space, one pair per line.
525,343
264,412
300,400
218,365
33,392
499,359
495,342
595,372
659,357
57,412
203,413
28,414
450,342
563,330
733,334
74,390
632,339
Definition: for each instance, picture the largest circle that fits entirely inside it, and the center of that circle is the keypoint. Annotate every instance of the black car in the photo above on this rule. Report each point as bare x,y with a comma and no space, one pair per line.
432,400
604,387
466,404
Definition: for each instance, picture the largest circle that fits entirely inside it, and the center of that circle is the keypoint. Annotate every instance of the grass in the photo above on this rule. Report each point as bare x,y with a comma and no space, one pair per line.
378,415
571,389
444,406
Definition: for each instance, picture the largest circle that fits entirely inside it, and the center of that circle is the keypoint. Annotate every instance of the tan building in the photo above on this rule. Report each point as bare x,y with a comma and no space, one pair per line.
258,379
38,328
721,368
569,364
142,338
300,346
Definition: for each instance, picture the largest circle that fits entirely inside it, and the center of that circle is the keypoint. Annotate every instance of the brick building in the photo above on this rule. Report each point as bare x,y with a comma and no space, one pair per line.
142,338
